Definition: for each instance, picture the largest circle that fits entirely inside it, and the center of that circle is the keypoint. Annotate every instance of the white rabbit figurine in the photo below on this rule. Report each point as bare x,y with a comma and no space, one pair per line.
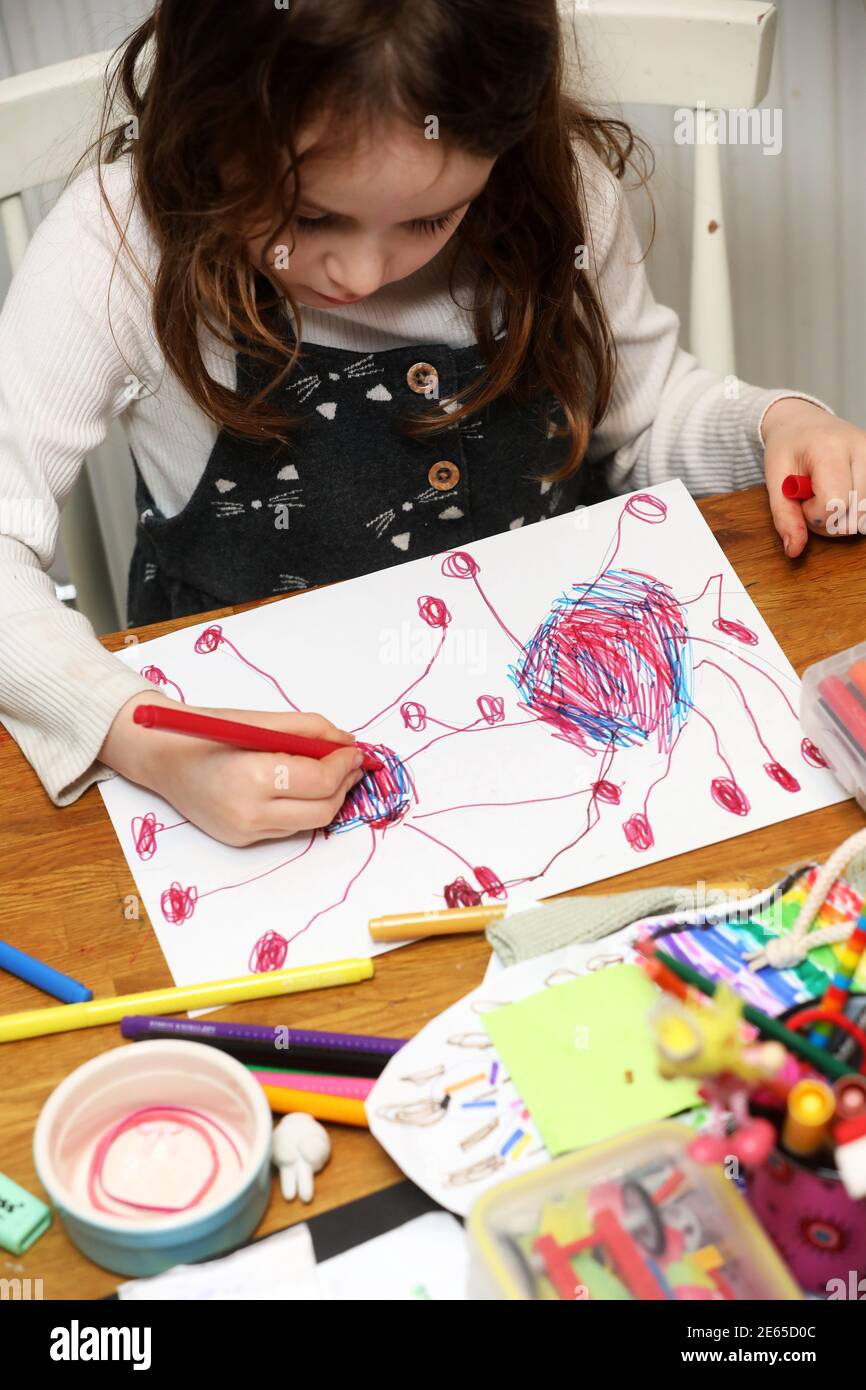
300,1147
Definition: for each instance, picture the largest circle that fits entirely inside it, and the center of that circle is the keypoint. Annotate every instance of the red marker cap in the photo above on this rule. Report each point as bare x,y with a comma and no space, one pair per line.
797,487
848,1131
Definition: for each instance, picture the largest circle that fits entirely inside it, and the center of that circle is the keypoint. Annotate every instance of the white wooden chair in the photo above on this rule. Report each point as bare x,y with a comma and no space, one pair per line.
701,55
678,53
47,118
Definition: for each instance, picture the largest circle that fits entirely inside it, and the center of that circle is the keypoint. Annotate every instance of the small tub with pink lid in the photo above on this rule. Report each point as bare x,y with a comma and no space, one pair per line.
156,1154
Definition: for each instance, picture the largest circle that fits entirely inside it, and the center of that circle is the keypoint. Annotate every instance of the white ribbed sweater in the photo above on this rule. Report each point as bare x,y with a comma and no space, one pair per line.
71,360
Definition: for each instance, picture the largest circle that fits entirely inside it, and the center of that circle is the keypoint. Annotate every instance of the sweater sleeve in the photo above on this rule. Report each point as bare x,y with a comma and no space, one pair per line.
668,416
65,373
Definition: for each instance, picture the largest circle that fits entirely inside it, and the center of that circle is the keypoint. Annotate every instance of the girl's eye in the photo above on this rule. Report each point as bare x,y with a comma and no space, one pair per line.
437,224
310,224
429,225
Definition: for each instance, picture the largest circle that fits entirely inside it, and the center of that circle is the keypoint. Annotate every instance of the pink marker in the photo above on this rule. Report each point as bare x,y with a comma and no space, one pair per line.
351,1087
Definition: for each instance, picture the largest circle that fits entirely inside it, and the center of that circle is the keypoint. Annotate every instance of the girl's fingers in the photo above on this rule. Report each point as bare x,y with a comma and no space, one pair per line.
316,726
858,472
827,512
788,516
309,779
284,817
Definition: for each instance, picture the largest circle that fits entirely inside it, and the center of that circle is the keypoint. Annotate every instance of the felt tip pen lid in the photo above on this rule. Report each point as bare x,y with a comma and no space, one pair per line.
23,1218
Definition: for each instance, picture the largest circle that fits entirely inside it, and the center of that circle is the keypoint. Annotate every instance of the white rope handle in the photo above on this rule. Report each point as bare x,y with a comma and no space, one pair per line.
783,952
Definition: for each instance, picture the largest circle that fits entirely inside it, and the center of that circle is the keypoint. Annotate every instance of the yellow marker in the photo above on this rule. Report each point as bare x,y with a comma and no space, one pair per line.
176,999
408,926
339,1109
811,1107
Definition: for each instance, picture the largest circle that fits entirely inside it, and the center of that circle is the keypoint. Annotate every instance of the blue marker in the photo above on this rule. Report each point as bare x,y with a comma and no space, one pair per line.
51,981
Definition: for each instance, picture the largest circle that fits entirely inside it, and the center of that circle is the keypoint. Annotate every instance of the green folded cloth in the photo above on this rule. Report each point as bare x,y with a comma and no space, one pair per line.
536,930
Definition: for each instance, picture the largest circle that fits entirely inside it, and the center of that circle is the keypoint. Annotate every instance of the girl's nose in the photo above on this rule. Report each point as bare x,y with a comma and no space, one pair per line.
355,277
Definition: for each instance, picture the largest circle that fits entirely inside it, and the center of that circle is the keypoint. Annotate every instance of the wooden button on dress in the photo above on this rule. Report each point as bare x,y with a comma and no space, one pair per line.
444,475
422,378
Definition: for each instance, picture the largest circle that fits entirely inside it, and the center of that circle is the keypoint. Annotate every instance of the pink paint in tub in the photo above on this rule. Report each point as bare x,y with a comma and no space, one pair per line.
156,1156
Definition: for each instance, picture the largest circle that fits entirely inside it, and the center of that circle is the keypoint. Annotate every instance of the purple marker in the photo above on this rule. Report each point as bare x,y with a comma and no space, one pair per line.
342,1053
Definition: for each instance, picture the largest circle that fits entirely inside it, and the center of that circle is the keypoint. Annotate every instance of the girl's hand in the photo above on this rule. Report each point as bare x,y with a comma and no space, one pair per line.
802,438
237,796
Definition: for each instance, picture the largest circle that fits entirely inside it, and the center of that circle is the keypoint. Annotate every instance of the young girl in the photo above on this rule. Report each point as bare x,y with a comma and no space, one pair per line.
360,280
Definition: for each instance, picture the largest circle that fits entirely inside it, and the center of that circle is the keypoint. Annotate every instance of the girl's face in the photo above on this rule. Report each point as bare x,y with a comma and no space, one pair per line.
370,218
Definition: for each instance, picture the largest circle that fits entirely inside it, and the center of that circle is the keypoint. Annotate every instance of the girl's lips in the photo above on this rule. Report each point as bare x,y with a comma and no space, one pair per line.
339,301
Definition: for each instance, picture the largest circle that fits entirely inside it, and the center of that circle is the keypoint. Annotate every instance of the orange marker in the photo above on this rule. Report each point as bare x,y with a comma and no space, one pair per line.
341,1111
811,1107
857,676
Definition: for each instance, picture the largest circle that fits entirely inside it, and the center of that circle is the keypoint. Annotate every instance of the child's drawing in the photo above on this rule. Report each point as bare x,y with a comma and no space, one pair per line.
626,702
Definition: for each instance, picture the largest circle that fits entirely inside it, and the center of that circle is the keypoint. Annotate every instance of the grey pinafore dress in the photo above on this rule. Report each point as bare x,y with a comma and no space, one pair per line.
350,494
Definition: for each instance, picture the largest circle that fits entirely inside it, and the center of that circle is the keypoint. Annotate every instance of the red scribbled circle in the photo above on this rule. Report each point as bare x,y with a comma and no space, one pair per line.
178,903
490,882
144,832
731,628
209,640
269,953
812,754
607,791
154,675
414,716
610,666
491,708
647,508
461,894
638,832
729,796
433,611
781,775
460,565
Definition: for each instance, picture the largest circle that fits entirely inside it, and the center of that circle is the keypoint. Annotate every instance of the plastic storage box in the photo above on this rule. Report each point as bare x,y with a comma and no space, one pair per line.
632,1219
833,716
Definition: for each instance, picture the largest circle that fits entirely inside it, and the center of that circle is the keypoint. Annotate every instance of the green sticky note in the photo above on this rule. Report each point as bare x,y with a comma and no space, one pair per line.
582,1058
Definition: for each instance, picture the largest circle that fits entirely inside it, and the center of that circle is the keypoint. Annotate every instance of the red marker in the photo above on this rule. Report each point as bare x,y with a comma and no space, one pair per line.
845,708
797,487
251,736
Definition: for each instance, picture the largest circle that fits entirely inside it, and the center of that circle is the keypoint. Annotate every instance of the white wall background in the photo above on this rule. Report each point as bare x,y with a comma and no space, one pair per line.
796,222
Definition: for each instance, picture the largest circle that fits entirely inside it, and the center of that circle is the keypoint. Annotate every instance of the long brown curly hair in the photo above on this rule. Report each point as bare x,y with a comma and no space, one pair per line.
206,86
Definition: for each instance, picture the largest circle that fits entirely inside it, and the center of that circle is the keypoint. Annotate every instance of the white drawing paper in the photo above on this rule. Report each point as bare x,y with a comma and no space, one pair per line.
552,705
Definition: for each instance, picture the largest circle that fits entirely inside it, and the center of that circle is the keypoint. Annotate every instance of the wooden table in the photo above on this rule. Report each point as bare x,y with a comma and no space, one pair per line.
64,884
